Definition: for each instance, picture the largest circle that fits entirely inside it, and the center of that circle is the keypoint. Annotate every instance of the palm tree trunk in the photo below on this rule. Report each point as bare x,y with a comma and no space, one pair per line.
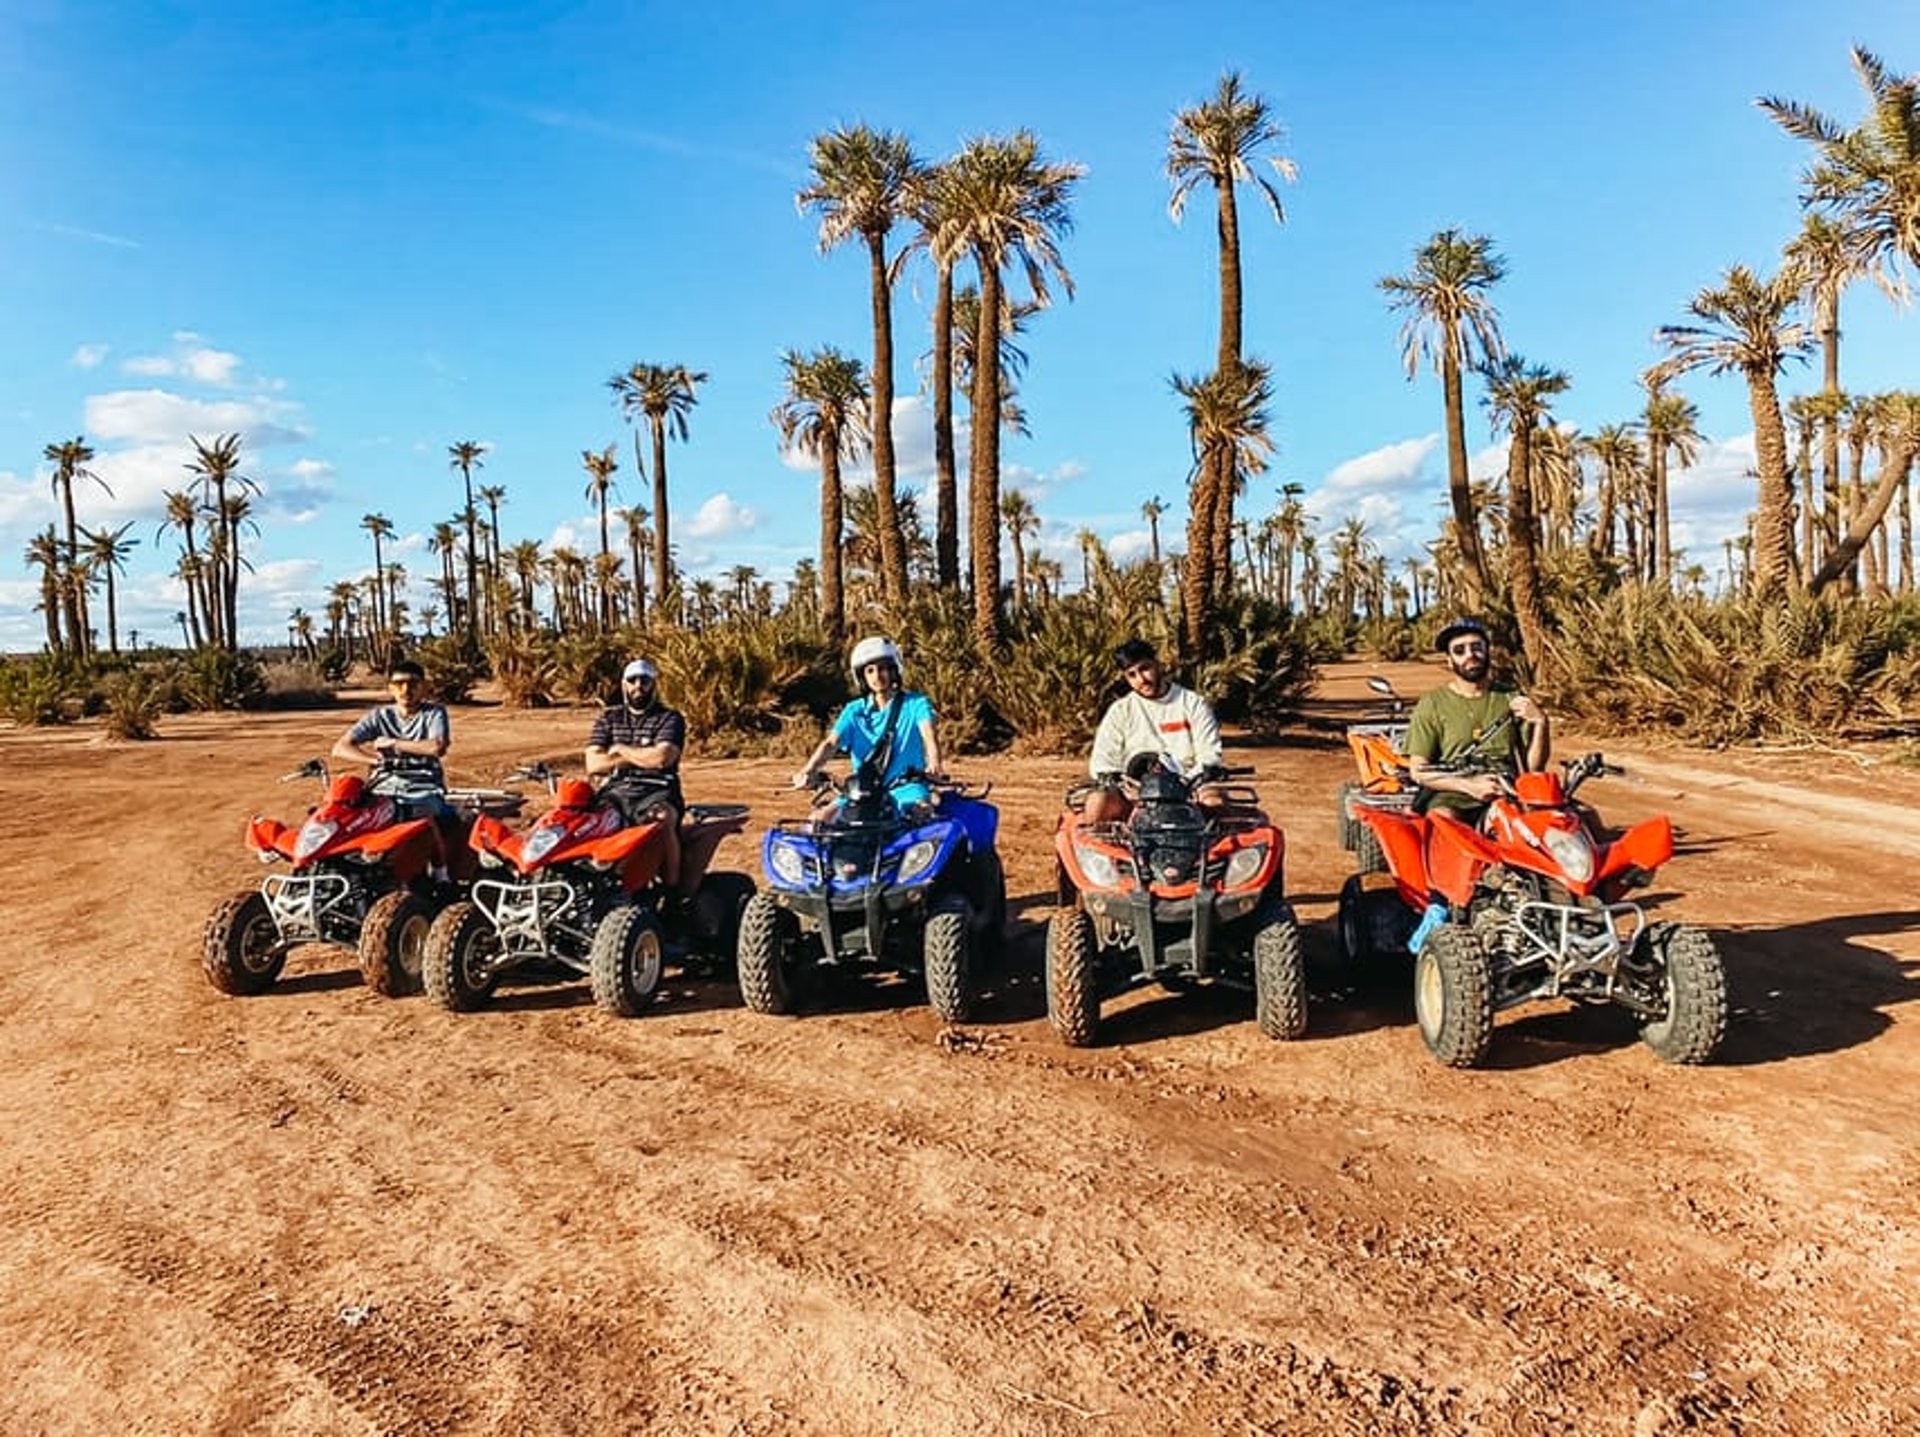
1773,521
1227,218
946,496
662,559
1196,570
893,545
1894,470
983,468
833,604
1529,608
1473,565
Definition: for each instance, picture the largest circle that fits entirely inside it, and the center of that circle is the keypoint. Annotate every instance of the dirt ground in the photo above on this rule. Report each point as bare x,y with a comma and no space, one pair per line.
322,1211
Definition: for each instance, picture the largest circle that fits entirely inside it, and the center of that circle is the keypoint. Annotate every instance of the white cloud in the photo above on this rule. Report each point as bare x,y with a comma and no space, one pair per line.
157,415
309,469
211,366
192,359
1393,466
720,517
88,356
148,365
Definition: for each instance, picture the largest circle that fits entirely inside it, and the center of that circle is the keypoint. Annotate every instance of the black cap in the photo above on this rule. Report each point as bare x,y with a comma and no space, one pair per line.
1466,624
1134,651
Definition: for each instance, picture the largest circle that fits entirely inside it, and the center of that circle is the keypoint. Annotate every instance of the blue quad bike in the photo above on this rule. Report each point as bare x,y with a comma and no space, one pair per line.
859,885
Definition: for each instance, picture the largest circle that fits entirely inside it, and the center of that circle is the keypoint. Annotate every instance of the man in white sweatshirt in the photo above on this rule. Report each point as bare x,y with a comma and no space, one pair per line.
1154,717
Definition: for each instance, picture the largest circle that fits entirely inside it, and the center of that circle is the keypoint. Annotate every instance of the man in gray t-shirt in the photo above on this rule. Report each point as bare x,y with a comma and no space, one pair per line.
403,740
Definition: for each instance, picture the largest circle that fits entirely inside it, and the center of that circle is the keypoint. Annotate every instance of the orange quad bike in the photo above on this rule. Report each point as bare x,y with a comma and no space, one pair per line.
1534,905
1379,748
1179,892
358,874
579,895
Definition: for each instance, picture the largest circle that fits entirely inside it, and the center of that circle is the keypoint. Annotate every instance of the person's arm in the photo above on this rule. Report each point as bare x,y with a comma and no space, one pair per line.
362,743
930,742
829,746
1539,736
1205,727
1423,753
1109,742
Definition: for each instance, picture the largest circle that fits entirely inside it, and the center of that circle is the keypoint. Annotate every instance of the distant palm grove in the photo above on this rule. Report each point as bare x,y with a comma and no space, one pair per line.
1805,623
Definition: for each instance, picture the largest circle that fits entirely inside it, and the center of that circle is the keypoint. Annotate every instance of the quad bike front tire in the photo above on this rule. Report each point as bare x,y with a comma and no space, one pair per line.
1073,978
769,962
1695,981
1373,926
989,897
947,955
241,949
454,966
1279,973
624,966
1453,996
393,941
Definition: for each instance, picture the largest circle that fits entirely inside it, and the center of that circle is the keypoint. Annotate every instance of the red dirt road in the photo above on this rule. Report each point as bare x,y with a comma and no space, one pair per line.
321,1211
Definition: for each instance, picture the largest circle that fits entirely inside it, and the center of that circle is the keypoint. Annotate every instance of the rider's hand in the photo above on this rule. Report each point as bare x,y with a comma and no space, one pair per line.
803,779
1526,710
383,745
1483,787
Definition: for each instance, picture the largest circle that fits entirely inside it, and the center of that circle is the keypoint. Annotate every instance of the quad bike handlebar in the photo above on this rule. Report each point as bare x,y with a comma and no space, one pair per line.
312,768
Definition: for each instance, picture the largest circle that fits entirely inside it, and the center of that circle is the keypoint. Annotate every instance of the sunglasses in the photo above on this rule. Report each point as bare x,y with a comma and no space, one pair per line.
639,679
1467,646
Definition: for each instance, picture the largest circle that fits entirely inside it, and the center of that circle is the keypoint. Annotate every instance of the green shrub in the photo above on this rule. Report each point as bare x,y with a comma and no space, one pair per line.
523,669
294,684
215,679
586,666
44,689
135,698
453,667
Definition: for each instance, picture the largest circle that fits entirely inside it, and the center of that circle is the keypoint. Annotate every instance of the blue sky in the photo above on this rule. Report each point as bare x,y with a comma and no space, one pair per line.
359,232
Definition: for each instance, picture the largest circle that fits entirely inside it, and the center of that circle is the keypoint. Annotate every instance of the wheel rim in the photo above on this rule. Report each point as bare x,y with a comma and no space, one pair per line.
259,941
1429,995
411,945
644,970
475,966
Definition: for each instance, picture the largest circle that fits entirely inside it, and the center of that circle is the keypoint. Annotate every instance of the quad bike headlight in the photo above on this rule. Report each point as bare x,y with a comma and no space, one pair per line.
1245,866
315,834
1572,852
787,864
918,859
1101,870
542,842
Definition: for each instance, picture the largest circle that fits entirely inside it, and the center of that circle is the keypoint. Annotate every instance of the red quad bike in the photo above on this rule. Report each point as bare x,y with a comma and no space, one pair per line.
1533,905
578,895
1179,892
359,875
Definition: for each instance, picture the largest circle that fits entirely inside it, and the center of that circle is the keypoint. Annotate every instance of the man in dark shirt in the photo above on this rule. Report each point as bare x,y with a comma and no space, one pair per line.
636,747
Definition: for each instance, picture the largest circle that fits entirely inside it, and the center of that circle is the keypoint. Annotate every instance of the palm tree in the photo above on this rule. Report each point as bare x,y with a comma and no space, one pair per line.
182,513
69,459
492,495
443,540
600,469
1518,396
1151,512
1617,449
824,415
1824,258
524,563
1008,205
635,519
1898,432
1017,514
1744,326
1219,140
218,465
863,182
663,395
466,457
929,203
1672,424
1227,425
1868,178
43,550
378,525
1451,324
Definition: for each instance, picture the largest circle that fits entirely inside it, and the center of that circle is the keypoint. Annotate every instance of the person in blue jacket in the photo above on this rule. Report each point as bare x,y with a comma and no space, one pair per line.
889,723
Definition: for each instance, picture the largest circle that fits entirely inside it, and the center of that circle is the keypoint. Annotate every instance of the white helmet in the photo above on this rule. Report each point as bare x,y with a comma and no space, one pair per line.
872,650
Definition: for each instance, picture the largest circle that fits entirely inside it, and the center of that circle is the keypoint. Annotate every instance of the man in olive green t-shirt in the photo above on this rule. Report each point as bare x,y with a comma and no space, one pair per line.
1463,710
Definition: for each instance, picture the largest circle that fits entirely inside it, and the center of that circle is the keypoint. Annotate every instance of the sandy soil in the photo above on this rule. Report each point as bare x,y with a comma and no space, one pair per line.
321,1211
